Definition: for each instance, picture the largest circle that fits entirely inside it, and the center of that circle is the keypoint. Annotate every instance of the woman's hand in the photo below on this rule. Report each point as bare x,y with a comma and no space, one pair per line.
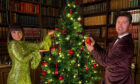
51,33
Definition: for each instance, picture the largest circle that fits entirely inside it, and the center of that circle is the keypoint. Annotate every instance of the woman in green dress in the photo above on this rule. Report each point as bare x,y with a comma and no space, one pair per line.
24,55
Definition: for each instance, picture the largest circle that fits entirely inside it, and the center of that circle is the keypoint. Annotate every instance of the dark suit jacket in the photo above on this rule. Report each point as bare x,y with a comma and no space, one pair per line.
117,61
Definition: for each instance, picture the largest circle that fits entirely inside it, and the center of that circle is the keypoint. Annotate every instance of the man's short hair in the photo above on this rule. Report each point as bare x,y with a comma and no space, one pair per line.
125,14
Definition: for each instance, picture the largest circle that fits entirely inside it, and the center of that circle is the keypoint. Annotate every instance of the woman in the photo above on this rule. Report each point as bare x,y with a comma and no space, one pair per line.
23,55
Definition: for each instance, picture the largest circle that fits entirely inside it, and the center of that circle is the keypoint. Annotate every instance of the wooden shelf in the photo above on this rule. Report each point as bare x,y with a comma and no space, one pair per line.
94,14
100,39
18,1
31,26
94,26
113,25
26,14
3,10
4,25
50,16
46,27
45,5
125,9
92,3
4,66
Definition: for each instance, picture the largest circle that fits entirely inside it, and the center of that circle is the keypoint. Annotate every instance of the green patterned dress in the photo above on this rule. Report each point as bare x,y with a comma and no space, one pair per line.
25,55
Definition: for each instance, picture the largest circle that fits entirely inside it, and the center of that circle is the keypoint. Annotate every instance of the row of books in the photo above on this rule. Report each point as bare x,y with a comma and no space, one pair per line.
31,32
25,7
96,32
25,19
49,11
134,31
85,1
97,8
115,4
135,16
3,17
54,3
3,32
4,4
95,20
3,47
28,32
49,22
121,4
36,1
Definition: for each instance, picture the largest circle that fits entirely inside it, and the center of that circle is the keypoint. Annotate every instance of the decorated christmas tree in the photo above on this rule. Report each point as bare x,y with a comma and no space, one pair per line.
69,62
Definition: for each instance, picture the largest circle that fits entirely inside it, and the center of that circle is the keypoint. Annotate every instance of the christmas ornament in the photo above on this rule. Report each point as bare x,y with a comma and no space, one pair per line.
94,65
71,18
60,78
68,15
79,18
56,29
44,73
88,41
80,21
87,64
64,12
87,68
74,6
68,5
82,48
56,72
52,49
63,31
59,50
70,11
70,52
44,63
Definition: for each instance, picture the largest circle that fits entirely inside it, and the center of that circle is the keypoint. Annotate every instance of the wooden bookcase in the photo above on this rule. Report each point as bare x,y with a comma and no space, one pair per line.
36,17
99,21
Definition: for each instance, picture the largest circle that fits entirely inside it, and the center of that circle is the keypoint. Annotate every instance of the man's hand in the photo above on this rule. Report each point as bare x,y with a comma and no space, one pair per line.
90,46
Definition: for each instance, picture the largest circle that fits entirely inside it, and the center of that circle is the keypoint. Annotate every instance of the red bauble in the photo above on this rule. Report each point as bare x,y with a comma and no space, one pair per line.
52,48
44,73
80,21
56,29
94,65
88,41
63,31
64,12
60,77
70,11
70,52
44,63
56,72
59,50
82,48
87,68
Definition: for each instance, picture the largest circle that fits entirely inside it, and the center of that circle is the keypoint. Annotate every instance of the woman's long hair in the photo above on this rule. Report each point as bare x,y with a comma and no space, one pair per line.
14,28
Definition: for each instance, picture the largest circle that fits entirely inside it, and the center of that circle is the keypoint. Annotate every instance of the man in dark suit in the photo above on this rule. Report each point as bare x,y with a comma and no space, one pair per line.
117,59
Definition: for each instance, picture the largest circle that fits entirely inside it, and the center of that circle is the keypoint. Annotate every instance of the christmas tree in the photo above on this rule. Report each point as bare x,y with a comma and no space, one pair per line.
69,62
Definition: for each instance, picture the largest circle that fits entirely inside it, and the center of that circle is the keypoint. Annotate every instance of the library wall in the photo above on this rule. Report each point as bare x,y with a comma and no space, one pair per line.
99,21
36,17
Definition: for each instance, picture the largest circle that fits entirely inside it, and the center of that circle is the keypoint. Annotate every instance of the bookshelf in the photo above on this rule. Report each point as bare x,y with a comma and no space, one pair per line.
99,22
36,17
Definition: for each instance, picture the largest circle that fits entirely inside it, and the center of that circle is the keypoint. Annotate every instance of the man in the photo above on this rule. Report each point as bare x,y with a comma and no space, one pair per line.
117,59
